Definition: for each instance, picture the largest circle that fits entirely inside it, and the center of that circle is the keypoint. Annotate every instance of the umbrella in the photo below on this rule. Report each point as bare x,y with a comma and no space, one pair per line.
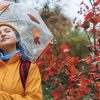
34,33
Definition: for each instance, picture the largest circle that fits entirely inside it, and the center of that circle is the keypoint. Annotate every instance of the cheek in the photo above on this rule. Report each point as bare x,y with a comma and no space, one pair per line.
13,38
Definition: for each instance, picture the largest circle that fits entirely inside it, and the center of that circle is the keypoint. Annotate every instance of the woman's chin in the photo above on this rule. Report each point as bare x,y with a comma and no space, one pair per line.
6,45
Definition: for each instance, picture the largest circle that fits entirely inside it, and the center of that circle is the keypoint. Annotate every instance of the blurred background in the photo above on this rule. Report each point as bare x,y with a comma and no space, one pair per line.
60,17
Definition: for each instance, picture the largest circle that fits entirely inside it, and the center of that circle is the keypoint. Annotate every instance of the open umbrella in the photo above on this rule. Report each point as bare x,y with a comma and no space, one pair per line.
34,33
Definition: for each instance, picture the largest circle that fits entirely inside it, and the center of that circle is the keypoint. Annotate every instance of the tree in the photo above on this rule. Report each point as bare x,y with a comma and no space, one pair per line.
72,78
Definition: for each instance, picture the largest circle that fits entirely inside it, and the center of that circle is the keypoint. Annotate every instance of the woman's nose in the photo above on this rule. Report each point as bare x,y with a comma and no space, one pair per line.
3,34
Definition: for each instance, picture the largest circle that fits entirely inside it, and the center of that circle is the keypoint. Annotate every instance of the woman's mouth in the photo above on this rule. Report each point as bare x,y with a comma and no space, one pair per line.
4,39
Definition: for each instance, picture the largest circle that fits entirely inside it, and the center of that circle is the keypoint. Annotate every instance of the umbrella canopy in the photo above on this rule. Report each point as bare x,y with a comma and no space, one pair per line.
34,33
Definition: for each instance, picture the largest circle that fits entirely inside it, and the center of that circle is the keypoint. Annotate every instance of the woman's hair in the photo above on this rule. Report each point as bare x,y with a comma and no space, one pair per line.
19,45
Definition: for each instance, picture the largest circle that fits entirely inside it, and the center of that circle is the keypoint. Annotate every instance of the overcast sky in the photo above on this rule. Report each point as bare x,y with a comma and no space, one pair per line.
68,7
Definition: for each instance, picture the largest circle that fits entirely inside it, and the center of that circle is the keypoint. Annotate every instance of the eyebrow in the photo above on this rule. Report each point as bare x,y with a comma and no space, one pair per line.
7,29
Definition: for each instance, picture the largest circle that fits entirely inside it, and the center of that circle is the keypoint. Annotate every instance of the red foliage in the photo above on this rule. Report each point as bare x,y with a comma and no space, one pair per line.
64,48
97,86
96,3
72,78
53,63
89,16
56,94
86,25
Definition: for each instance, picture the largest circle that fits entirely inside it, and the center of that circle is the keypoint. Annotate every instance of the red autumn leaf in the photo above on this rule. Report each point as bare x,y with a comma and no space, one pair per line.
52,71
87,59
97,95
72,78
46,78
79,95
98,59
33,18
84,81
72,61
89,16
56,94
93,30
94,21
39,62
84,89
65,92
73,92
97,86
44,52
91,75
85,25
72,70
62,64
96,3
64,48
67,72
97,18
53,62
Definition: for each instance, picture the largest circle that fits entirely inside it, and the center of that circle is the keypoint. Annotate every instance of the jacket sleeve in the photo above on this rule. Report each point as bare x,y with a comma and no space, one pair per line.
33,89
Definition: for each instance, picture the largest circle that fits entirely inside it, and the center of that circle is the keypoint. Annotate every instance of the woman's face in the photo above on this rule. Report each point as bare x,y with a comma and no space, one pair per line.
7,38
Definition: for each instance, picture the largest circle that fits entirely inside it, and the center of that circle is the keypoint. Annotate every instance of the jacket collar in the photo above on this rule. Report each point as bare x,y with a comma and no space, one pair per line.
13,59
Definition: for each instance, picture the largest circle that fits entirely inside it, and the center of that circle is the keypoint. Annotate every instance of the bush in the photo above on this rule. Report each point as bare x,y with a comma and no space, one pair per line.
66,76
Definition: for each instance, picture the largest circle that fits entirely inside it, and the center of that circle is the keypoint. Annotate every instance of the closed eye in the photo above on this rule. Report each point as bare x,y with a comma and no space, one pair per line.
7,30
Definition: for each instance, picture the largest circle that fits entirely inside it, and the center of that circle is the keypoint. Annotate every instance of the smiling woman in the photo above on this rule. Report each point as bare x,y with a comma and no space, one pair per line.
12,55
7,40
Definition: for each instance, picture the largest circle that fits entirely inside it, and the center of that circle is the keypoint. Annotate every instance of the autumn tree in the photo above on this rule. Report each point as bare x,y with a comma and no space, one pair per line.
72,78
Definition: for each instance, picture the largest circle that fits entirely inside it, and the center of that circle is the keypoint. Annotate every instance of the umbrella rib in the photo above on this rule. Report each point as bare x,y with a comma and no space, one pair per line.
5,8
18,20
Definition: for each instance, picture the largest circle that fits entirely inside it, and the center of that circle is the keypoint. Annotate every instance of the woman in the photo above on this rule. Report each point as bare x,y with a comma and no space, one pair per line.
11,55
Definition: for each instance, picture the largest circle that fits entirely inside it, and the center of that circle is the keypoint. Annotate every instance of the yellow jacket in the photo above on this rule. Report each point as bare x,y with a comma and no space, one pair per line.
11,87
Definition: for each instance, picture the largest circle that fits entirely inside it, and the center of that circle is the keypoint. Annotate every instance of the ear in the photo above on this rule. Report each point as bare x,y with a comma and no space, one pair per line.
17,42
17,39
